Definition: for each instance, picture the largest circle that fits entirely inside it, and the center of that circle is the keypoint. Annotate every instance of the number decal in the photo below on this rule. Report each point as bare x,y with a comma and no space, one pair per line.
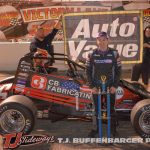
39,82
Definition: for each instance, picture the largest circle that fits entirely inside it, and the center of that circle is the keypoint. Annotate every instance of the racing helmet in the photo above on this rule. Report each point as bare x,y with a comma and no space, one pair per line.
38,60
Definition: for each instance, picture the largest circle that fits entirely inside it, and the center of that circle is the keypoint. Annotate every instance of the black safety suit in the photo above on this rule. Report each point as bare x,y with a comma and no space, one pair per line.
46,44
104,63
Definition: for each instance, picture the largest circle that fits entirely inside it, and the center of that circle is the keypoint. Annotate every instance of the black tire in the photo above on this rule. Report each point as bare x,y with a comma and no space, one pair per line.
140,118
17,107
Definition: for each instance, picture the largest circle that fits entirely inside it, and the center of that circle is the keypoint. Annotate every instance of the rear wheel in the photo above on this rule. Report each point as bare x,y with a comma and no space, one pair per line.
17,115
140,118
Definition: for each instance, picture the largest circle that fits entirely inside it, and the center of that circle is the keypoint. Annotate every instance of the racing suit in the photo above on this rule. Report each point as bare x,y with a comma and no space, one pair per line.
104,63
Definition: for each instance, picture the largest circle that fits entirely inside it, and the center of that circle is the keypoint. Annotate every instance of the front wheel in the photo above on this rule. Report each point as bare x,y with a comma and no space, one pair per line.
15,118
140,118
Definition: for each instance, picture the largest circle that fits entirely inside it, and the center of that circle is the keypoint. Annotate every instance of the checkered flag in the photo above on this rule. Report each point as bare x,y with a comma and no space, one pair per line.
146,19
15,22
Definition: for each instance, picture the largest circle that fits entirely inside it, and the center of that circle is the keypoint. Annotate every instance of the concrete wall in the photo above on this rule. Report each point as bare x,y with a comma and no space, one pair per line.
10,54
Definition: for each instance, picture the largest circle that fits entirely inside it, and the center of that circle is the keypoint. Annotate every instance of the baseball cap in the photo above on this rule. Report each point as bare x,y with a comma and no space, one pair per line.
103,34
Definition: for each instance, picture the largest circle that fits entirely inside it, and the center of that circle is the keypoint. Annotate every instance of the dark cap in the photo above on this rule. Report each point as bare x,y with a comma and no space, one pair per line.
103,34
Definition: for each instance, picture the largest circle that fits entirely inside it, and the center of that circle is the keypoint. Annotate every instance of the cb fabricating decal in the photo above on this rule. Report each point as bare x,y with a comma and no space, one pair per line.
123,27
66,87
61,86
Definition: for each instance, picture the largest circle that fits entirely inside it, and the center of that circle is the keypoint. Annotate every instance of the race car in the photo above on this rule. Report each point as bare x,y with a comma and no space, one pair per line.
53,94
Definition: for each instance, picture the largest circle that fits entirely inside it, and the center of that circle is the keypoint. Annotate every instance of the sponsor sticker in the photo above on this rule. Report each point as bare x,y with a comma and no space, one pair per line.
119,93
39,82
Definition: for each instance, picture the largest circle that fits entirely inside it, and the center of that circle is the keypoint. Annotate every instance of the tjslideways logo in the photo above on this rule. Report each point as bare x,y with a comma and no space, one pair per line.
14,140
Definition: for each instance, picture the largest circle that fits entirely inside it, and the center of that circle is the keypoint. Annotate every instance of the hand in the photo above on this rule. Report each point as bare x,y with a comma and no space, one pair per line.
112,90
58,24
94,90
60,18
42,51
146,45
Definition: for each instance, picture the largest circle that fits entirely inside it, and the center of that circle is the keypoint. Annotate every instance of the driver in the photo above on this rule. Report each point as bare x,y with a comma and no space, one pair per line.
104,61
39,62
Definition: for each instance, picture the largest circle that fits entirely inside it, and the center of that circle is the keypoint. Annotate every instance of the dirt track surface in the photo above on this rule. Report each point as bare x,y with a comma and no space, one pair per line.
80,129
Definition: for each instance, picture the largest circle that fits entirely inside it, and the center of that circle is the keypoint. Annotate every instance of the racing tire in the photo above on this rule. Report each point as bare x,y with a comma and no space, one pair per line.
140,118
17,114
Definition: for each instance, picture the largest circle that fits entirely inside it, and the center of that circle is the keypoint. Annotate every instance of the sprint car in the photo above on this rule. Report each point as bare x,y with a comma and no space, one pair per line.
56,94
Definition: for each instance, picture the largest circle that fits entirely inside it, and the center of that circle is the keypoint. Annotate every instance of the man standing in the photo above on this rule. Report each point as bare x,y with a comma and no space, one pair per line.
104,61
41,42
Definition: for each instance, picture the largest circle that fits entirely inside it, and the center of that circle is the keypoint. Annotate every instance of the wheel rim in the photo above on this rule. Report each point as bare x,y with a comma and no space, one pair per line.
12,121
144,122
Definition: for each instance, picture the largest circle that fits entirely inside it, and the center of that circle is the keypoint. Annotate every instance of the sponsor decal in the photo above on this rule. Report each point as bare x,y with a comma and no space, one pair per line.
14,140
18,89
103,61
39,82
81,30
20,85
21,74
119,93
66,87
25,63
21,82
25,66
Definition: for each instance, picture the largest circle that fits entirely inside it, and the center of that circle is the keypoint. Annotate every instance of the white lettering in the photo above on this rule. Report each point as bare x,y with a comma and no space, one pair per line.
130,50
127,29
83,29
74,52
114,27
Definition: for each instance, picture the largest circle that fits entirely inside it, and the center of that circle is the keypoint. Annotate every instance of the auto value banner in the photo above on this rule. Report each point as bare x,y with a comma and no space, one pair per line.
123,27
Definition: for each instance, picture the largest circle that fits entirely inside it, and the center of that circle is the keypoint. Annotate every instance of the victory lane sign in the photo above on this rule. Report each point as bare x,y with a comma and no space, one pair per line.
123,27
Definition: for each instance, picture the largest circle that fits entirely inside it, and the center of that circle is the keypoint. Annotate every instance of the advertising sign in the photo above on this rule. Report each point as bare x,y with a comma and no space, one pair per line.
123,27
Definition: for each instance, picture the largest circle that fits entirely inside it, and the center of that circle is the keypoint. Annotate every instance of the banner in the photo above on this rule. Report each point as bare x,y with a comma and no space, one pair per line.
123,27
18,23
53,12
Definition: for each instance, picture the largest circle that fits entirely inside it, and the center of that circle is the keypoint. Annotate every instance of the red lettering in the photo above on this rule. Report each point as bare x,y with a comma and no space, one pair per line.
8,138
27,15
